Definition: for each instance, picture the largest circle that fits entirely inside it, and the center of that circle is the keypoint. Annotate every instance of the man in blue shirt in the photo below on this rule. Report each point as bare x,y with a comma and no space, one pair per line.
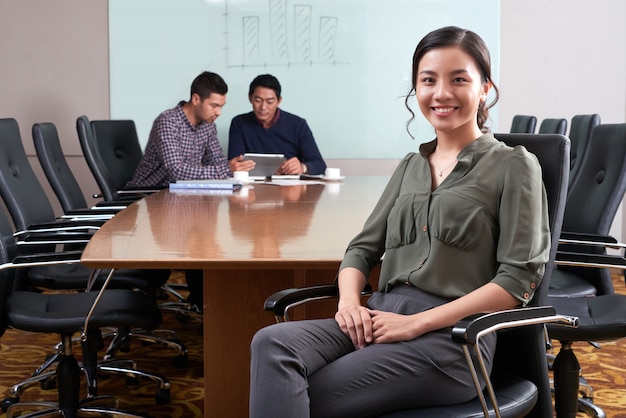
270,130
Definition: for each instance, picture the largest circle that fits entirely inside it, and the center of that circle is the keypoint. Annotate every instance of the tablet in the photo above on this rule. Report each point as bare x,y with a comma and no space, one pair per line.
266,164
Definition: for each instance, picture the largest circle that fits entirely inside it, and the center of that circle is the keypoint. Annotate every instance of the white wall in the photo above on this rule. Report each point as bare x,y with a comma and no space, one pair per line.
561,58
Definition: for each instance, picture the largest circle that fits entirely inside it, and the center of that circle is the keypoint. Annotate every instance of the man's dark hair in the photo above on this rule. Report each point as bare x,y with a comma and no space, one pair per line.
265,80
207,83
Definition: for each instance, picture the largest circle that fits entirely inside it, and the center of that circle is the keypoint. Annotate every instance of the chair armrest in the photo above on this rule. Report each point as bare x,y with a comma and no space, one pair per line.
64,225
96,211
69,237
469,330
578,238
280,302
28,260
140,190
566,258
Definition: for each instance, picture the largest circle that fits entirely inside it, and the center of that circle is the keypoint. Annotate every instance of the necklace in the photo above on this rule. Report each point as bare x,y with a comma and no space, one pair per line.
443,169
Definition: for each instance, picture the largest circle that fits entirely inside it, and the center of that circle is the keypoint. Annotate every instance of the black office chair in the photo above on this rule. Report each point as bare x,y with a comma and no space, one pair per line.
28,204
579,134
66,314
592,202
60,176
553,126
112,151
603,316
520,375
523,124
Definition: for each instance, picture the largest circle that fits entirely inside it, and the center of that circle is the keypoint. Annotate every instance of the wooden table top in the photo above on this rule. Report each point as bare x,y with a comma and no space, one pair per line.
259,226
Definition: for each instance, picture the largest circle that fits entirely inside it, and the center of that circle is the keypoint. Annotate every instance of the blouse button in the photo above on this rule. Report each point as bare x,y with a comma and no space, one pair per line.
533,285
526,295
424,228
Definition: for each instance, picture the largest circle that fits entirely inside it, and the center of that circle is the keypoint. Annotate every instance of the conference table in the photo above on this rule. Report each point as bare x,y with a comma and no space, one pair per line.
250,243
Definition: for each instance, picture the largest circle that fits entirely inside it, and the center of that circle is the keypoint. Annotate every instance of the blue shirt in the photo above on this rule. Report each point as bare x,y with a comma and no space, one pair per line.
289,135
177,150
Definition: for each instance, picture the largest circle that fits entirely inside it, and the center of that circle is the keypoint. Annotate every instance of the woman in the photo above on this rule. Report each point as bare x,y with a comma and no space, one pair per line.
463,228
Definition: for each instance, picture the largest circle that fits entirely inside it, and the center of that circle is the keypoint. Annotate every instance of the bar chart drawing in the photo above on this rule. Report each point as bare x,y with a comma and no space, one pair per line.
279,34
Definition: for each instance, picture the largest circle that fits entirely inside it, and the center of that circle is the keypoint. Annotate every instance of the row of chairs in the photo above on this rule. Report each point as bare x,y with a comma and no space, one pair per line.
40,232
590,201
579,134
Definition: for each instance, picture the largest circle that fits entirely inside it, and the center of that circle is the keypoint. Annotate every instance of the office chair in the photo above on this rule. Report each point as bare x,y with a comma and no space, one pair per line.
520,375
592,202
553,126
523,124
60,177
112,151
66,314
580,133
28,204
603,316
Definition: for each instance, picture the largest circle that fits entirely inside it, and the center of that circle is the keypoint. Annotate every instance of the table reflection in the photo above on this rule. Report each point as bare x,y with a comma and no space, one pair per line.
274,220
184,223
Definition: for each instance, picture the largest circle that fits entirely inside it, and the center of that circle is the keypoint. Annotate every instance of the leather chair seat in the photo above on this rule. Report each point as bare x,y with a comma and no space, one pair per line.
65,313
514,396
600,318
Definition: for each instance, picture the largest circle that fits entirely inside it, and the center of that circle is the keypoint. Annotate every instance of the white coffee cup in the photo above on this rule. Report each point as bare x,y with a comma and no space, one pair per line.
241,175
333,173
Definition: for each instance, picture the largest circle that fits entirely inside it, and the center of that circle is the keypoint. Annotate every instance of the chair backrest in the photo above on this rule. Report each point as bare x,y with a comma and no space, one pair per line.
54,164
112,151
8,251
523,124
598,190
119,147
594,197
553,126
513,354
580,133
21,191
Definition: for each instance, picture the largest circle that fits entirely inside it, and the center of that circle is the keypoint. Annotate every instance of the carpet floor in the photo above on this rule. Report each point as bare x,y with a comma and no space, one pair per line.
21,353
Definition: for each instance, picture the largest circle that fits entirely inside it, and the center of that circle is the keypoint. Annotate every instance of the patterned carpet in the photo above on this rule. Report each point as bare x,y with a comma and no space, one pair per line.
21,353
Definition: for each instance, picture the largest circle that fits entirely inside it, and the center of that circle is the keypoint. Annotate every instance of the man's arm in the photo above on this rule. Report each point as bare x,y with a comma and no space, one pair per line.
309,153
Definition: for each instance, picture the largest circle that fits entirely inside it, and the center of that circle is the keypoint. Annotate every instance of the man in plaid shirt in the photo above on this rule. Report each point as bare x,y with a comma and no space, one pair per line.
183,142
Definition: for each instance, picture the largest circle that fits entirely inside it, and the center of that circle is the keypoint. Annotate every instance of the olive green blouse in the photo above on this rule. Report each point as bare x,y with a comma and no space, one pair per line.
486,222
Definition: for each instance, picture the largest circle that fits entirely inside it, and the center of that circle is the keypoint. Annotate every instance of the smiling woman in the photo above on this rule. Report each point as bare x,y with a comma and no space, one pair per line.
395,352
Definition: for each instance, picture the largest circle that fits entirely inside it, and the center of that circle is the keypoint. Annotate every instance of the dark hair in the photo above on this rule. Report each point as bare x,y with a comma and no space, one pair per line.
207,83
470,43
267,81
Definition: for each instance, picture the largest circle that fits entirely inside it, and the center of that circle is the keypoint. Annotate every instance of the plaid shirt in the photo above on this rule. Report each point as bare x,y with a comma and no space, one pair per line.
177,150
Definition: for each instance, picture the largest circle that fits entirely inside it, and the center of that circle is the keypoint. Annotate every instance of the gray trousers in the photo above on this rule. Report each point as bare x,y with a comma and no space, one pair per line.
310,368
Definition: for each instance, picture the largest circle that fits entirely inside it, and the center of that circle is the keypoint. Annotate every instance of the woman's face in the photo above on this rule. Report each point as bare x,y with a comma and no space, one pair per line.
449,89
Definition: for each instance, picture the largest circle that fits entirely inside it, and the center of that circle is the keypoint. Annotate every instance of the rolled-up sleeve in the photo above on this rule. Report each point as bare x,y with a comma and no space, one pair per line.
524,241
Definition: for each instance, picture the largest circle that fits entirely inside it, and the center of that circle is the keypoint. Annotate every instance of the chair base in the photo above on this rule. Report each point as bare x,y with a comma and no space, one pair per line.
68,387
127,368
166,338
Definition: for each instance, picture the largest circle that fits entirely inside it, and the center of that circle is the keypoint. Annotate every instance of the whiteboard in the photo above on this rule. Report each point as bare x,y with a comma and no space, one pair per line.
344,65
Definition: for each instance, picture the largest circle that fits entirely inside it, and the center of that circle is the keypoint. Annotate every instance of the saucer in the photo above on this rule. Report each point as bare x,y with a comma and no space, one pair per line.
333,178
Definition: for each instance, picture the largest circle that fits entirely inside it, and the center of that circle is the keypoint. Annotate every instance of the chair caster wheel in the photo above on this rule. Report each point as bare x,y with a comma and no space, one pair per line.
7,402
162,396
180,362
